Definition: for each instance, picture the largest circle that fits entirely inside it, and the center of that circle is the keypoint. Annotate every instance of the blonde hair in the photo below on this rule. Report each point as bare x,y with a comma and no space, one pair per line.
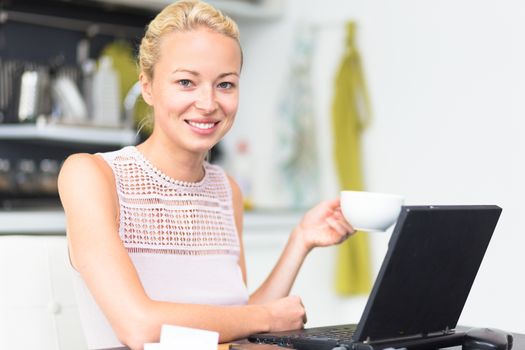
182,16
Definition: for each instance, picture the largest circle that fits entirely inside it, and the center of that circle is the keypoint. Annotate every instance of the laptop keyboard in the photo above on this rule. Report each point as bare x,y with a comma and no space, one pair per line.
310,338
339,333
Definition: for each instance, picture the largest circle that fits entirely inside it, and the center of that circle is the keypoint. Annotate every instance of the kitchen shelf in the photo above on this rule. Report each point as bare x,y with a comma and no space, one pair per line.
70,134
40,222
256,10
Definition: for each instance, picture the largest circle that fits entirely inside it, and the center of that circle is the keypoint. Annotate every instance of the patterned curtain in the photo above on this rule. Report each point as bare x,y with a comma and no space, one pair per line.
296,135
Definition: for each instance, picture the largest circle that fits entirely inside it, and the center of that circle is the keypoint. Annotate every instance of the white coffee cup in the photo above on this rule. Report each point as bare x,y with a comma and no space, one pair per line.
370,211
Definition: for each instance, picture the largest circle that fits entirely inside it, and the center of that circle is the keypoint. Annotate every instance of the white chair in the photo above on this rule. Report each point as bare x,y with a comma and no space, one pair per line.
37,300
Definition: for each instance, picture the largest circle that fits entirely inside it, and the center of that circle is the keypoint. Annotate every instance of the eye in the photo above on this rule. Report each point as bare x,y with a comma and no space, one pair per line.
186,83
225,85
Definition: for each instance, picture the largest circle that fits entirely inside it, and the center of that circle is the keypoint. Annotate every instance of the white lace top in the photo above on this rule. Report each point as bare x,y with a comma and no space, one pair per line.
181,238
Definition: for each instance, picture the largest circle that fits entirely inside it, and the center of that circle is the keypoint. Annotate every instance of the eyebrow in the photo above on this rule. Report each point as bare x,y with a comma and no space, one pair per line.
195,73
230,73
179,70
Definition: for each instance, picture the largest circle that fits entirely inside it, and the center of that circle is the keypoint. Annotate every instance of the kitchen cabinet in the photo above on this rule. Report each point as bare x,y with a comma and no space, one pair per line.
37,300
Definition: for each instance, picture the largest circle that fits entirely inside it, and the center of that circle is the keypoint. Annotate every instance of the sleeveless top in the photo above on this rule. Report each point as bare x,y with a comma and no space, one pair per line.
180,236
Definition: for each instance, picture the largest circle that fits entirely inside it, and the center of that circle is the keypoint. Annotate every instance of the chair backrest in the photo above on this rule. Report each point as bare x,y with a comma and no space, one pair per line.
37,300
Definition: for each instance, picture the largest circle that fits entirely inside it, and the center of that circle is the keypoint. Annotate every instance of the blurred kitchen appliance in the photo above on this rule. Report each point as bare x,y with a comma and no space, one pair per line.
34,98
29,170
29,91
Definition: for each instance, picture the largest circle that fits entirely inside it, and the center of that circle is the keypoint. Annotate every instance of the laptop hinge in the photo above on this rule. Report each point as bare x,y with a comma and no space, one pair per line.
410,337
434,340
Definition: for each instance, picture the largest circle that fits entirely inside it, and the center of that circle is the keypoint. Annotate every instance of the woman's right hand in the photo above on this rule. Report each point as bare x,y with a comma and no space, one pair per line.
286,314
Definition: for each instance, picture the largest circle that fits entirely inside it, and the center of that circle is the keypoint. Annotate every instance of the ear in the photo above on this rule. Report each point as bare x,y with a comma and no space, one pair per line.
145,85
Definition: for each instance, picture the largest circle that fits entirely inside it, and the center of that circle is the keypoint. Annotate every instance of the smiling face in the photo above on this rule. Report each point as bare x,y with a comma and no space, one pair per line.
194,90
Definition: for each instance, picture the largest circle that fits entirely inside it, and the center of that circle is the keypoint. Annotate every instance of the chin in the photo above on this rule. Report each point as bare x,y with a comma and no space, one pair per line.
203,149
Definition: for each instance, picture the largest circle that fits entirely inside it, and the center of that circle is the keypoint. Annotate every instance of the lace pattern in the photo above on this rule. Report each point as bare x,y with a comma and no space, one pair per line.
162,215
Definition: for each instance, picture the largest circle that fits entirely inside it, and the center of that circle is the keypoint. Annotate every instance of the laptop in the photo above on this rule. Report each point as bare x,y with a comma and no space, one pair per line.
433,256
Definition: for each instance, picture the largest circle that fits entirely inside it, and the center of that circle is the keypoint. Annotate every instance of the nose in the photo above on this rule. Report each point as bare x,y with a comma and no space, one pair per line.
206,101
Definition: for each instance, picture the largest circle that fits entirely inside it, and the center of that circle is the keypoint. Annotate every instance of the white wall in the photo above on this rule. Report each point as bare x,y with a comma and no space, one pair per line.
447,82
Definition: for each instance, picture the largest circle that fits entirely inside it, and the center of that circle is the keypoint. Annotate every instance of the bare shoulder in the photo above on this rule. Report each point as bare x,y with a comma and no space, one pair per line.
236,190
83,165
85,176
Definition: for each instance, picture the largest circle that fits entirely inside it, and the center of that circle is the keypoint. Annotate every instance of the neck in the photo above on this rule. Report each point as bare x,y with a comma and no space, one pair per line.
177,164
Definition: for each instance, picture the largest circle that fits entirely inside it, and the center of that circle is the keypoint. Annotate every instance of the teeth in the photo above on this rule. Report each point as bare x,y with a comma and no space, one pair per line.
201,125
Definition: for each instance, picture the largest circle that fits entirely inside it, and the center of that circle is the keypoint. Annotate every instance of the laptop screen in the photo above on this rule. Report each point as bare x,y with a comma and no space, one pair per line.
432,260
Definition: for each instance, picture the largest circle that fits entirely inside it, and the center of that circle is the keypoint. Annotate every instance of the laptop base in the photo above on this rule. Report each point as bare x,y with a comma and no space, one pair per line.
328,338
423,343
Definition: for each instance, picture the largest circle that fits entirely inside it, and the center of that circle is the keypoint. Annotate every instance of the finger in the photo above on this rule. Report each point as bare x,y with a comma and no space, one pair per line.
333,204
344,238
339,217
339,213
343,232
336,226
304,319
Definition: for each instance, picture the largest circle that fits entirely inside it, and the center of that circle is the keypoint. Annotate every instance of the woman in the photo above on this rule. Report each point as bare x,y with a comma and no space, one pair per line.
155,231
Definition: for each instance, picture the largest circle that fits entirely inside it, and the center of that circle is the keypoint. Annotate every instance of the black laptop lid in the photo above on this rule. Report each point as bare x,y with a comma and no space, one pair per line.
432,259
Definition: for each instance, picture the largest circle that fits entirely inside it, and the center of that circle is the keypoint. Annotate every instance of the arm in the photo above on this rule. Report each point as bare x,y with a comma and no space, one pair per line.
323,225
87,192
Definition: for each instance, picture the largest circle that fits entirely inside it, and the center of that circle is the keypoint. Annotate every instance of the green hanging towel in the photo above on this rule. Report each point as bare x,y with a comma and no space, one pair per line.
350,115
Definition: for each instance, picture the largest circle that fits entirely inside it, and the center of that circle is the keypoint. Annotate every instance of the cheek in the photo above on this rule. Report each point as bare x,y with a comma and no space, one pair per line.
230,105
174,100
